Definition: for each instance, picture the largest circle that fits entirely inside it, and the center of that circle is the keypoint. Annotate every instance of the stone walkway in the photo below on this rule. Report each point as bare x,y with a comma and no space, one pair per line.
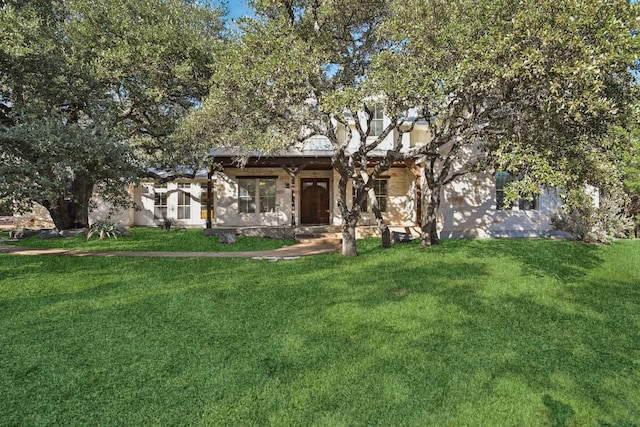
288,252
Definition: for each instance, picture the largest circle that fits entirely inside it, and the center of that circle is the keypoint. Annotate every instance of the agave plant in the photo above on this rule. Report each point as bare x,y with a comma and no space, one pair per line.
103,229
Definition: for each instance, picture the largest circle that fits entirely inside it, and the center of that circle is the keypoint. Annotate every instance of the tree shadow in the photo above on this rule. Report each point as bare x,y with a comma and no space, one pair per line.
559,413
563,260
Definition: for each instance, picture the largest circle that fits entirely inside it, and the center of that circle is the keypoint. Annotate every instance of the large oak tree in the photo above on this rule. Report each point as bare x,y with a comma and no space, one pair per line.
296,71
531,87
90,94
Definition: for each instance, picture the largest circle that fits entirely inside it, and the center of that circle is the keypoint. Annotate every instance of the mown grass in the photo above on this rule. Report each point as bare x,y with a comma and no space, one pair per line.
471,333
154,239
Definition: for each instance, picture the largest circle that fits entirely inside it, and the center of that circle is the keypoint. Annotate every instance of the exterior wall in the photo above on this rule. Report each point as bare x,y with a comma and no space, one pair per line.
226,198
144,196
401,201
38,218
468,209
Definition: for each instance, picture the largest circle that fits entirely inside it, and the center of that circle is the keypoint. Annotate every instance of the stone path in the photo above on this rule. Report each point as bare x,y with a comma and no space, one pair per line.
287,252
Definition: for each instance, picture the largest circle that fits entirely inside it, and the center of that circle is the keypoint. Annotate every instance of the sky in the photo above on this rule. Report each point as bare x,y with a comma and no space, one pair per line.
237,8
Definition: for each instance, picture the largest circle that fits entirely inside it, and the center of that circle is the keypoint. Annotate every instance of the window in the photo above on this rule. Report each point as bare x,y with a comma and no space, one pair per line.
380,188
204,200
377,123
184,201
267,195
246,195
504,178
364,205
160,203
256,195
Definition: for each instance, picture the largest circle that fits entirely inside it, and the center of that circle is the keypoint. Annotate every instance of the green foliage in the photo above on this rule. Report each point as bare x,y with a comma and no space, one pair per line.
90,93
535,85
474,332
539,82
597,225
103,229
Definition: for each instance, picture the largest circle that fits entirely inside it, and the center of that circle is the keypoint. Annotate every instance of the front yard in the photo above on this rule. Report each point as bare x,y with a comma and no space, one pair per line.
153,239
478,333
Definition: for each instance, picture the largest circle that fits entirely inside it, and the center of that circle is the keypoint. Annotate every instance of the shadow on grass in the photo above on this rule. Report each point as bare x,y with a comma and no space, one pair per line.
560,259
559,412
405,337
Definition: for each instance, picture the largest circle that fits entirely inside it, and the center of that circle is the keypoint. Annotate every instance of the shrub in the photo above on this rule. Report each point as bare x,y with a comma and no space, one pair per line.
599,224
103,229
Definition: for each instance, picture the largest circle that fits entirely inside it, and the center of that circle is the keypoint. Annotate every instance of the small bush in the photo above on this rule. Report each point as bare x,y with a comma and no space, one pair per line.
103,229
597,224
167,223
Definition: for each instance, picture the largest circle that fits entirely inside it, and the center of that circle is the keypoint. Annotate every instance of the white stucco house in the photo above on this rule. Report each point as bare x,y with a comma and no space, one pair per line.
299,188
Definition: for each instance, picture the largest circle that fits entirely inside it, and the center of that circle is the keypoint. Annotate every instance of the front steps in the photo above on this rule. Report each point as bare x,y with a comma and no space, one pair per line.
328,238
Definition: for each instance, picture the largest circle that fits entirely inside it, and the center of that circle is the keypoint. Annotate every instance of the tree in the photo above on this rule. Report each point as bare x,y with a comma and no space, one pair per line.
631,175
91,93
295,71
530,87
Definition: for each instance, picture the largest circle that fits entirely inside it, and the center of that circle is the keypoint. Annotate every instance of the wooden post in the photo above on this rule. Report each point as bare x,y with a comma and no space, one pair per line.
293,171
209,196
416,171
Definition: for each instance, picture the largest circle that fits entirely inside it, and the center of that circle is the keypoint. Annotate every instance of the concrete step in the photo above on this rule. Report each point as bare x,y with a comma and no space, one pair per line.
326,238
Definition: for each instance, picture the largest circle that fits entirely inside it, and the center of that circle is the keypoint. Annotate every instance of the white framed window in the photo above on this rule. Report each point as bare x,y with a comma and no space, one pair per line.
377,122
380,186
184,201
524,204
160,201
256,194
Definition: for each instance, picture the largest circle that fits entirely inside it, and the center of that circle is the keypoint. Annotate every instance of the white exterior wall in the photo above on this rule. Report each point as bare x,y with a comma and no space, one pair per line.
226,198
401,204
468,209
144,197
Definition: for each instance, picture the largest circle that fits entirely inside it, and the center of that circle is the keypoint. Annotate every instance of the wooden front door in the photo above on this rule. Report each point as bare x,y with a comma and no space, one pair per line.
314,201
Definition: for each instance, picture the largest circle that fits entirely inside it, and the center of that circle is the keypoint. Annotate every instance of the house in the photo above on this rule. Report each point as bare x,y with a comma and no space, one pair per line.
298,188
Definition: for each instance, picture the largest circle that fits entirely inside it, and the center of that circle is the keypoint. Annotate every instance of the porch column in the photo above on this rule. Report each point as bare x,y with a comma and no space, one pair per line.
416,171
293,171
209,196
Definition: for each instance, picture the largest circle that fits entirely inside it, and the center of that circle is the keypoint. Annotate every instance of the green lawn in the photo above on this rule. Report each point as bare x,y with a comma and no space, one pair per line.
471,333
154,239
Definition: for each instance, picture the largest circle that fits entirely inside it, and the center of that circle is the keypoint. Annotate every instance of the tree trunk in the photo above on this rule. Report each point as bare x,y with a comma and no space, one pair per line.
430,220
349,238
72,212
81,192
61,213
382,225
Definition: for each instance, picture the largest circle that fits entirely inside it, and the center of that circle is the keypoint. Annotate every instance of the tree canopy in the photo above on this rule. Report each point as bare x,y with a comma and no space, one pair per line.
530,87
534,85
91,92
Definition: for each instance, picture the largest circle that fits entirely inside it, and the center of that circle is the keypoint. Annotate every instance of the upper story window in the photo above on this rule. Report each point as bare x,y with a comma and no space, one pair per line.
377,122
504,178
256,195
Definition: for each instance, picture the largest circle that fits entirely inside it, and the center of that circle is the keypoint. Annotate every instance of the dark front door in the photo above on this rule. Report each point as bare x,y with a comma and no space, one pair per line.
314,201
